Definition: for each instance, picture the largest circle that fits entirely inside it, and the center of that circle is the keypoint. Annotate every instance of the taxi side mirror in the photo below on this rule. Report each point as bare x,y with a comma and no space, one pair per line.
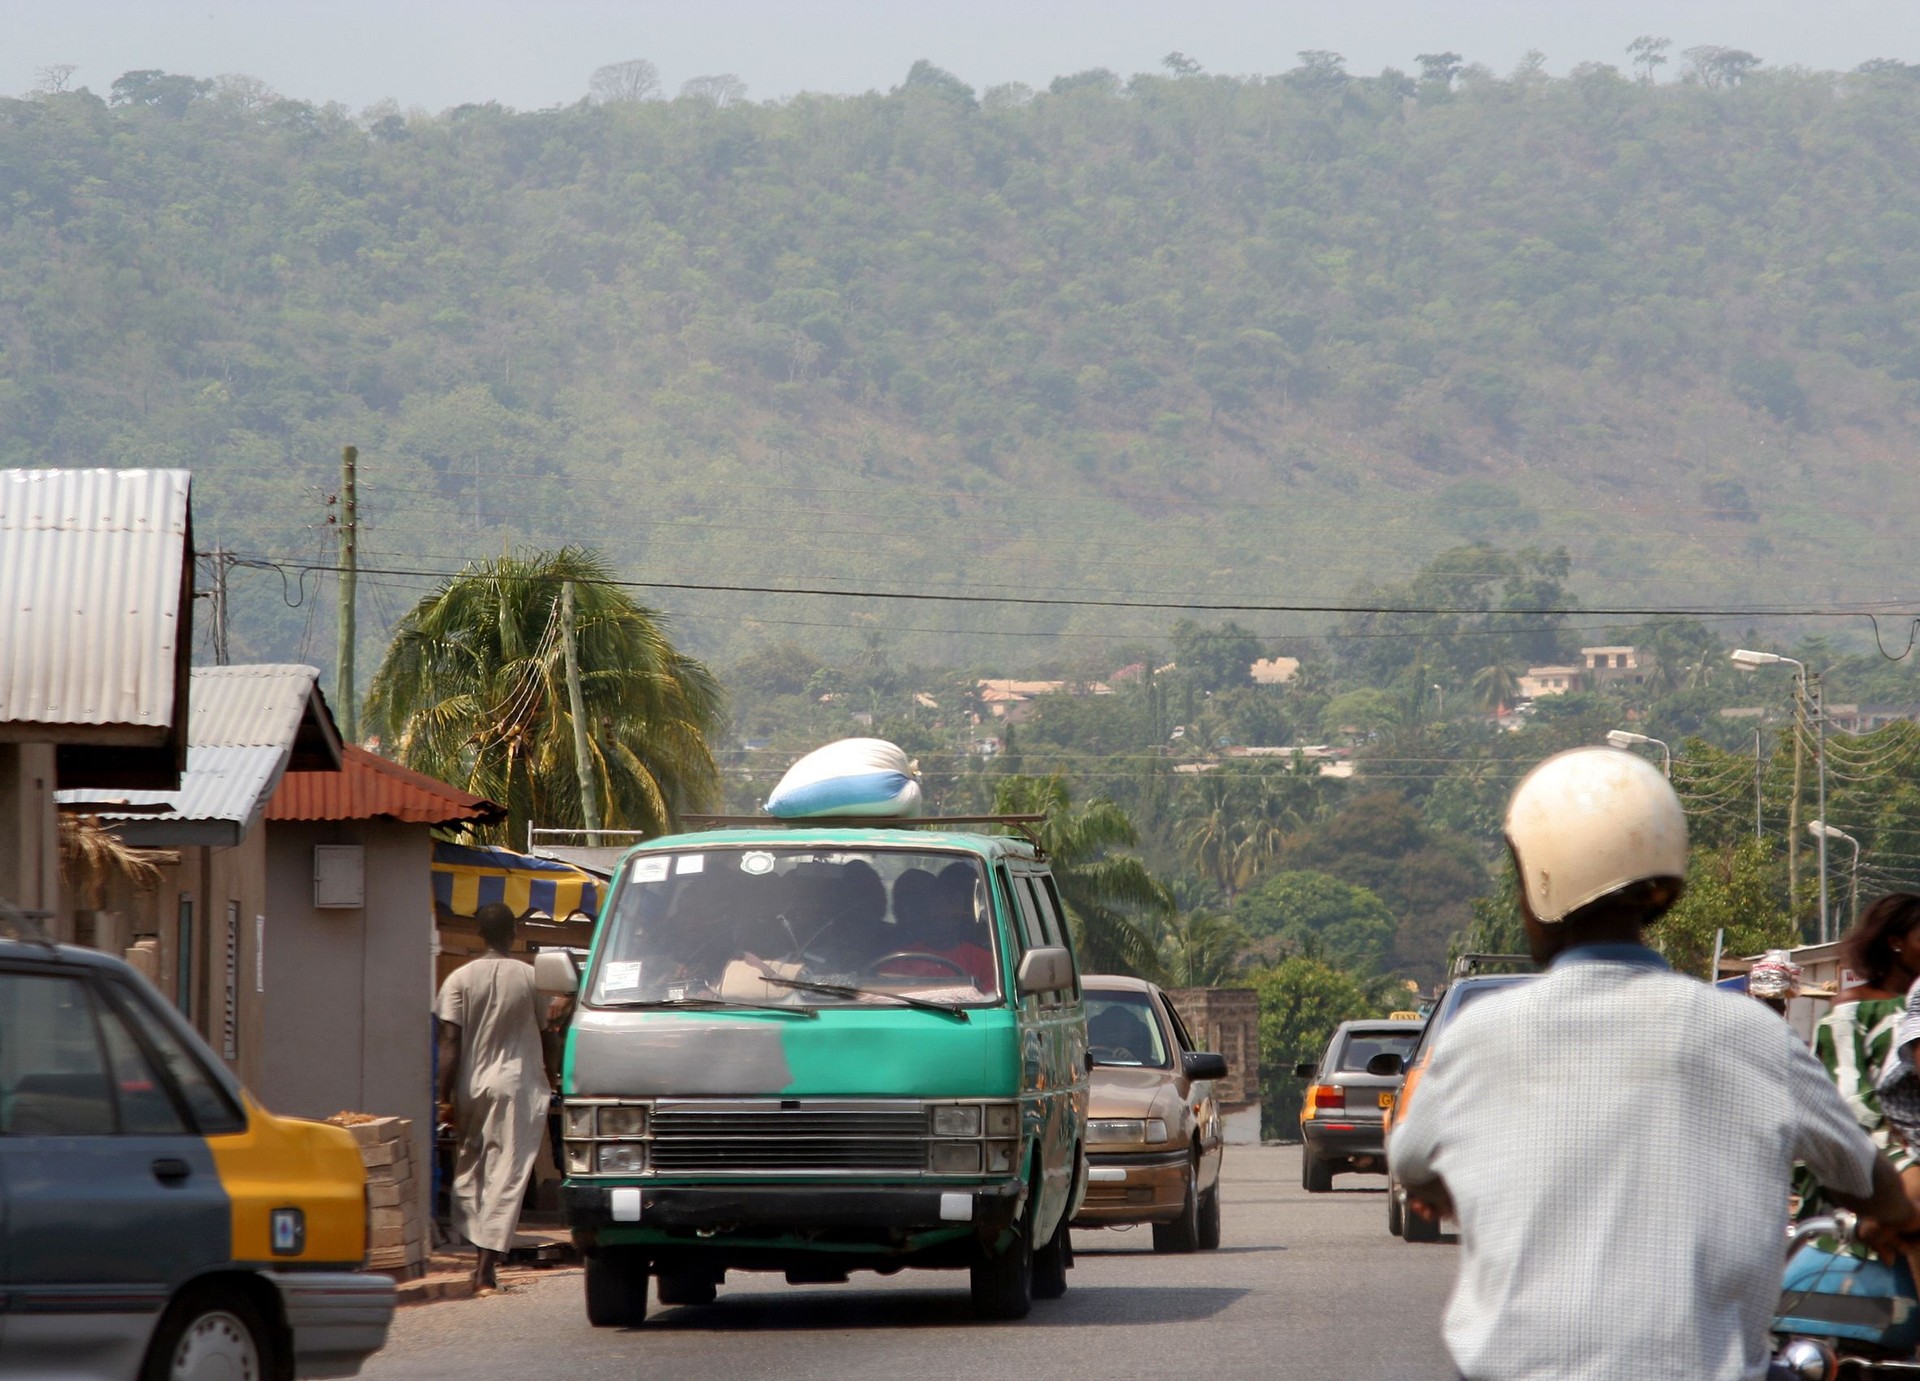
1386,1063
1305,1069
1046,969
1203,1064
554,972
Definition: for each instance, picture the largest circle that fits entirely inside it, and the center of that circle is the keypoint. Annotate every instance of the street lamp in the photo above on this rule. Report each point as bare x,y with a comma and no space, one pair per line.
1744,657
1441,697
1820,829
1621,738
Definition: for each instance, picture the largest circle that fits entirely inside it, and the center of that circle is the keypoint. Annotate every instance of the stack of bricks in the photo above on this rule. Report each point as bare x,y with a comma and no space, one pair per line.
397,1237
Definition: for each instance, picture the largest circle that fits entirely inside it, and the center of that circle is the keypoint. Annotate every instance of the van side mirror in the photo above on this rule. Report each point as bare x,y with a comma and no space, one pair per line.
1305,1069
1203,1064
555,972
1046,969
1386,1063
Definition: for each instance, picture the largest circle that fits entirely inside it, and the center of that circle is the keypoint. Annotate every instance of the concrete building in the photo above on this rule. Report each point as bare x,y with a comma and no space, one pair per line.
1227,1021
1549,680
200,935
1613,666
348,966
96,618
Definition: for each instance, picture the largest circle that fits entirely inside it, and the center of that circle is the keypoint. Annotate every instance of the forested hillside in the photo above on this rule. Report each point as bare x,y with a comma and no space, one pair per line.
1192,336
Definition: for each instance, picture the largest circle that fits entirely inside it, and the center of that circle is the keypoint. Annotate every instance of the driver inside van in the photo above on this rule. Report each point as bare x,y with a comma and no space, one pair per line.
936,917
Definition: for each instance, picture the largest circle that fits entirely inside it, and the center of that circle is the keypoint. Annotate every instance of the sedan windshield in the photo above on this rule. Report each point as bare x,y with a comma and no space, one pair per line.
1122,1030
798,927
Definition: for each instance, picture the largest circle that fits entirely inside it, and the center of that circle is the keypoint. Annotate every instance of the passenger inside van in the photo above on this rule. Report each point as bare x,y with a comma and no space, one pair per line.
935,915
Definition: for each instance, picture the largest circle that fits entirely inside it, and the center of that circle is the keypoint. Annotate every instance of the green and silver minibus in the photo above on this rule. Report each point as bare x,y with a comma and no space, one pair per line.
815,1050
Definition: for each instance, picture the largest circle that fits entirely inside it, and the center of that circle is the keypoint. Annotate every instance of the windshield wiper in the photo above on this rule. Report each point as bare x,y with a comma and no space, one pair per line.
846,990
710,1003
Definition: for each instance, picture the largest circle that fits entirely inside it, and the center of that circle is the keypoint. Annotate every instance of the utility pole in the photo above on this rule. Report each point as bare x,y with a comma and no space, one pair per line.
577,709
1793,806
349,580
220,563
1817,704
1756,783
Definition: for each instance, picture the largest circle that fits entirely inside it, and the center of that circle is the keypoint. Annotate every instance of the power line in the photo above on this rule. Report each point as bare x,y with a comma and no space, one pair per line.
1196,606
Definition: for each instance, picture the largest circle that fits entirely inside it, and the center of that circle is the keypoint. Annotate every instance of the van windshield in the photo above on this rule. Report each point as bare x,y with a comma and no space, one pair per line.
744,925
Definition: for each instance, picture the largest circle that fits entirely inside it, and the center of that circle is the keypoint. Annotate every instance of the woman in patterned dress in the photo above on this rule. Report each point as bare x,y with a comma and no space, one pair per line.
1879,962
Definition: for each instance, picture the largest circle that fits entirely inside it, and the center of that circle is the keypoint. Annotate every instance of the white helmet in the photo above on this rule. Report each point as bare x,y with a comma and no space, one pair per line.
1590,821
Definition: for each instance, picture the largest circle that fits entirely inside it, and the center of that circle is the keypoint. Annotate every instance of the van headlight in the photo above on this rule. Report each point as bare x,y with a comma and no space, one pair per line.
954,1158
579,1121
622,1158
958,1119
622,1121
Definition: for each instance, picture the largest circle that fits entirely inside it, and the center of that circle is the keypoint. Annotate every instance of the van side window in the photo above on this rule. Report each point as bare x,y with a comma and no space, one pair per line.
1051,913
1033,932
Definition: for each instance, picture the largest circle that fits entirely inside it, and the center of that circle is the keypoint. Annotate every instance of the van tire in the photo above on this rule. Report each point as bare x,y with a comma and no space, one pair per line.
1182,1235
1050,1263
225,1319
616,1290
1002,1282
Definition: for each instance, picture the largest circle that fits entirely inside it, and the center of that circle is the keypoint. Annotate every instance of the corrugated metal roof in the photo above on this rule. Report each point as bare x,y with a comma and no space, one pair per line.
223,787
91,575
241,735
368,787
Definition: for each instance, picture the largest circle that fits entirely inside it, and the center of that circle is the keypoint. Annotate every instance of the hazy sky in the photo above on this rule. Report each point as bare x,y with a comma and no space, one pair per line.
532,53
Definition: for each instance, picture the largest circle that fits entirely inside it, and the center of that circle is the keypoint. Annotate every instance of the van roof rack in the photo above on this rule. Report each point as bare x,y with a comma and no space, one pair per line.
1022,823
1466,964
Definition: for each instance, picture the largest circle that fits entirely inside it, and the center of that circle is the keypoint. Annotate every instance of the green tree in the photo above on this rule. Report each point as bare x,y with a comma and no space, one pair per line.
472,690
1109,895
1215,658
1201,949
1302,1000
1738,888
1315,913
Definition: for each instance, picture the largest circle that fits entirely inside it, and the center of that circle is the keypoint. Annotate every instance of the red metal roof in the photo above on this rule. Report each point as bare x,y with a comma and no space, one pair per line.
368,787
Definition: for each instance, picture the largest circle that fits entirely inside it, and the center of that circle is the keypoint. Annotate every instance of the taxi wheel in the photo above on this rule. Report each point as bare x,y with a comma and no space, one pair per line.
616,1290
211,1333
1395,1219
1316,1176
1210,1220
1183,1233
1417,1229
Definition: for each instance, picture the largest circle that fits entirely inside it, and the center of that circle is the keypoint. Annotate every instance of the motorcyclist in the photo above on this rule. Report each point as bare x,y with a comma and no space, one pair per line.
1616,1140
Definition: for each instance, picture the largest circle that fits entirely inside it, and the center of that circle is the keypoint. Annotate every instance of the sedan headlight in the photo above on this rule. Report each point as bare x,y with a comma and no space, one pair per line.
1118,1131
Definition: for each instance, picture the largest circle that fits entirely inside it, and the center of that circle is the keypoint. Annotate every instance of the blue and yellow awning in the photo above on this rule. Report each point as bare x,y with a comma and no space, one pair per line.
467,877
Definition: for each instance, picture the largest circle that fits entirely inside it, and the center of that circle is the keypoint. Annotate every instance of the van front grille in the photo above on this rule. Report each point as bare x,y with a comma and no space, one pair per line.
788,1137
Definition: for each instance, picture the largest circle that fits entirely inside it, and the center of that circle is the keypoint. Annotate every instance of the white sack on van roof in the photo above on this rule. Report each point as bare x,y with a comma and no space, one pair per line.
856,777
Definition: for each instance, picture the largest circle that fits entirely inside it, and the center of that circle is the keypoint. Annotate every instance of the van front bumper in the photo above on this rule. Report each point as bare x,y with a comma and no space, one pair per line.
846,1214
337,1318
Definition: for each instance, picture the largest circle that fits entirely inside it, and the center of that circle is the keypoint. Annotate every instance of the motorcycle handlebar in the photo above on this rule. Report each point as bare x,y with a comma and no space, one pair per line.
1839,1225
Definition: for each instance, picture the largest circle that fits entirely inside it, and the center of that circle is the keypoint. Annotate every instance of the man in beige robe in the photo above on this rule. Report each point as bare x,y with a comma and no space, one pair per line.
493,1074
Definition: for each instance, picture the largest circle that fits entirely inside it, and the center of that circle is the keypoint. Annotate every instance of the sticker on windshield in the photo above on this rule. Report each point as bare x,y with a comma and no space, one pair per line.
757,863
650,869
621,974
691,863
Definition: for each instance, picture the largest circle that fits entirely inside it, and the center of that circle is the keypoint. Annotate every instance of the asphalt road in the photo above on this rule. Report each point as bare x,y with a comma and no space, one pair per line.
1303,1286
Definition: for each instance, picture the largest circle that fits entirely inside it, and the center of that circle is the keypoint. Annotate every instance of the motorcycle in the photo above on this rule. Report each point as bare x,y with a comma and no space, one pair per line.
1842,1317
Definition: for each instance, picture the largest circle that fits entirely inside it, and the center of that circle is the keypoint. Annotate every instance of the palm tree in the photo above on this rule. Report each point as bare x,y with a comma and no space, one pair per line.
1211,830
473,690
1103,891
1201,949
1498,685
